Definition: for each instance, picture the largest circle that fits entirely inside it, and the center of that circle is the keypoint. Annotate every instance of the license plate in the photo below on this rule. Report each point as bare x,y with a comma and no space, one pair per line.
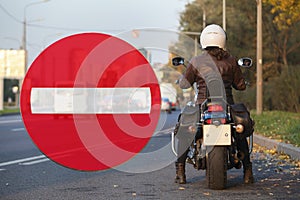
217,135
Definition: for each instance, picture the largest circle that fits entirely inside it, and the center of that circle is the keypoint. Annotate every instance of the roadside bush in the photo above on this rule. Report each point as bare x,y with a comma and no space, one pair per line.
283,92
279,93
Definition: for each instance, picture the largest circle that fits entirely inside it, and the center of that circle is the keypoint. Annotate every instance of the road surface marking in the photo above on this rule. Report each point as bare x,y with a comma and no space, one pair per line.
90,100
21,160
17,129
43,158
10,121
34,162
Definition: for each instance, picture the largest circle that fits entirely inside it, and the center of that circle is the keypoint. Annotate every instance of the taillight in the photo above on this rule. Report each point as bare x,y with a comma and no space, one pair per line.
215,108
215,114
208,121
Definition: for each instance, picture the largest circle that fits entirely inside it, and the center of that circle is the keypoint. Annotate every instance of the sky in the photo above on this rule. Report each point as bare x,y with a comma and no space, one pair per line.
52,20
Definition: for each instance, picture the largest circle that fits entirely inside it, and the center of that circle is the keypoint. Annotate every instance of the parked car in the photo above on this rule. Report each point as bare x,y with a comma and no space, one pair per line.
166,105
167,90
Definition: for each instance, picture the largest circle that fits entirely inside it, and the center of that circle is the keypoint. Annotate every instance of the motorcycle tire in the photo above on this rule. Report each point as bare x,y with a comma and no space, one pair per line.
216,168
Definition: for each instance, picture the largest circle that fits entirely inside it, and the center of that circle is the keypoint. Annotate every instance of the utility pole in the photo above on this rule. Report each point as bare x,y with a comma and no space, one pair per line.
204,17
24,45
259,80
24,39
203,6
224,15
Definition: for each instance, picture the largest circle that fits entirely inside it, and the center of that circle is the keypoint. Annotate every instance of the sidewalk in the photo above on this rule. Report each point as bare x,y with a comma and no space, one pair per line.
12,110
292,151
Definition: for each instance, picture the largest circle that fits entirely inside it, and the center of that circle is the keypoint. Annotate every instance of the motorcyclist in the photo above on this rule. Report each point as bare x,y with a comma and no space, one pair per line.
217,61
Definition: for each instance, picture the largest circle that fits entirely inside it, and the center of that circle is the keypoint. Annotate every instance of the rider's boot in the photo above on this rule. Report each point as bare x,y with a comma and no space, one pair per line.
181,173
248,175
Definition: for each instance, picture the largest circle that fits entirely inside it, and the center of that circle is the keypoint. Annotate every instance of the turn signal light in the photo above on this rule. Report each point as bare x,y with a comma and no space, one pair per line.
239,128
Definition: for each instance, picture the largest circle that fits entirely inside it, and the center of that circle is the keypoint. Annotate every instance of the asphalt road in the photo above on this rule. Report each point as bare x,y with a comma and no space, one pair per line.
26,174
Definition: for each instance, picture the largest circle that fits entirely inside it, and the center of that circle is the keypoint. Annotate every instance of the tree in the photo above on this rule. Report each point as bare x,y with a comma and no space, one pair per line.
281,42
285,16
241,24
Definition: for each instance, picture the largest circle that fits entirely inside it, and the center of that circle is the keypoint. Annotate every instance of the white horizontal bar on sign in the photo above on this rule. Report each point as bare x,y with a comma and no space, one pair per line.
90,100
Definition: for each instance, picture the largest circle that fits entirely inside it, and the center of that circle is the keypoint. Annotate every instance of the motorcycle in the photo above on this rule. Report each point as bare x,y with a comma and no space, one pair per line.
211,131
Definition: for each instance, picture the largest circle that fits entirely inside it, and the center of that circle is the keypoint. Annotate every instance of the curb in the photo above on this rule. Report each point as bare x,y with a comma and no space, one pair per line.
293,152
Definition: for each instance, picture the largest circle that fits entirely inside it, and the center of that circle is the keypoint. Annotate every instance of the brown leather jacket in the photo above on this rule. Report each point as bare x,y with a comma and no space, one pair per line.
205,67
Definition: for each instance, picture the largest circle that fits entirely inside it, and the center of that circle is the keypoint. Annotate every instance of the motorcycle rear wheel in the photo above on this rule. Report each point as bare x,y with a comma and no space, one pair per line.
216,168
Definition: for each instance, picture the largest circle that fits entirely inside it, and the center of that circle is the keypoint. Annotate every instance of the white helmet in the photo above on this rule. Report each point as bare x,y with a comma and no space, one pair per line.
213,36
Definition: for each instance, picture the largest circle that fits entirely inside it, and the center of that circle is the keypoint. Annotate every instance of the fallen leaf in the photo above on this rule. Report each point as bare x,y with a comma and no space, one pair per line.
283,157
206,193
275,179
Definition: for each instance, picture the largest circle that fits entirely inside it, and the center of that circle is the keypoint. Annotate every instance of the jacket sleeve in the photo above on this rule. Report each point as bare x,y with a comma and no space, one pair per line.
188,78
238,79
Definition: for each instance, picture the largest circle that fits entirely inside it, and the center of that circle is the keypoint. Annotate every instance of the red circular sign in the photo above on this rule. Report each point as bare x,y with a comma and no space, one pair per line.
90,101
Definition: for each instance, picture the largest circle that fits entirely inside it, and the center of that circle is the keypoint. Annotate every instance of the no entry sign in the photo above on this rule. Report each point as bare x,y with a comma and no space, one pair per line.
90,101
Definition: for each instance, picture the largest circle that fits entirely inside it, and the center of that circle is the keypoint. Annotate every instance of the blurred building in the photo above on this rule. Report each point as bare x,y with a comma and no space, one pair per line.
12,63
12,72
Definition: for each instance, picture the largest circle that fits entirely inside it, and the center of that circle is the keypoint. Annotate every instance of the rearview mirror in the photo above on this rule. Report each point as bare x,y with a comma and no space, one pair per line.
178,61
245,62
